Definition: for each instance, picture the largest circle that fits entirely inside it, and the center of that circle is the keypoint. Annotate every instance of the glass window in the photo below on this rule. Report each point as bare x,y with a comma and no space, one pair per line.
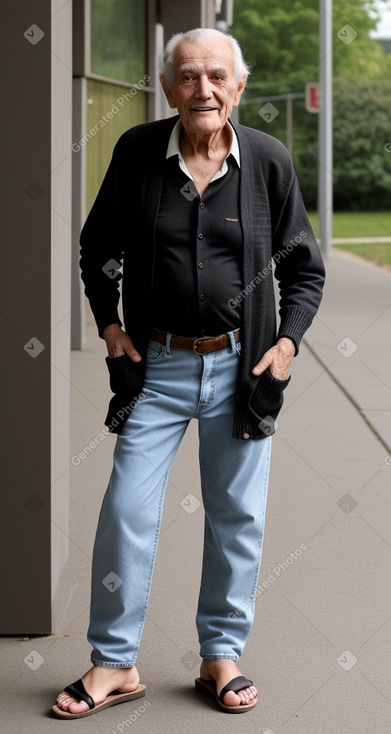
119,39
110,111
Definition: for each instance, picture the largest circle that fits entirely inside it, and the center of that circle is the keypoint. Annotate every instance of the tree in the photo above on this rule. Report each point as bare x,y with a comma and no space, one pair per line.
280,41
118,49
362,143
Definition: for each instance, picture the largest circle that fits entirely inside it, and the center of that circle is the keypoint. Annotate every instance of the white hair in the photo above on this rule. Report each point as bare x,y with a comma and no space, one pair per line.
199,35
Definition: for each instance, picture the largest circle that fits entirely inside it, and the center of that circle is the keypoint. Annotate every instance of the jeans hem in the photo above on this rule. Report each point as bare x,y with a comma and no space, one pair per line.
105,664
211,656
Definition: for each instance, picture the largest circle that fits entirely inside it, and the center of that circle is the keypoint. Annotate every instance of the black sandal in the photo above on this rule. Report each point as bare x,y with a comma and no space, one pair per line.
77,690
235,685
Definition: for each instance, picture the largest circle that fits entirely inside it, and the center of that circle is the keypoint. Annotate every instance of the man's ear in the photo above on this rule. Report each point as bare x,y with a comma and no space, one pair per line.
240,90
167,91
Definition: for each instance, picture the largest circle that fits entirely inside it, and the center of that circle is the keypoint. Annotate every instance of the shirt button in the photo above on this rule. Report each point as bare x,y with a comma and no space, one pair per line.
202,205
202,297
202,332
246,435
200,236
200,265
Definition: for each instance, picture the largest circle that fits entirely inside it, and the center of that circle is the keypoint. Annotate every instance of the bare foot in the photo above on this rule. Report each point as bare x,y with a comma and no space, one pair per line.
99,682
222,671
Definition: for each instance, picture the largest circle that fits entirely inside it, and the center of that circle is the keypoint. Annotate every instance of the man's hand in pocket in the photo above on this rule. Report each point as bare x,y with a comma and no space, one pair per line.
118,342
278,359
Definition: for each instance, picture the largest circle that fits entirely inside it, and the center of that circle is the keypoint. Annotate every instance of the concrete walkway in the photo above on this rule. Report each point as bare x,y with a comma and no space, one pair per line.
320,647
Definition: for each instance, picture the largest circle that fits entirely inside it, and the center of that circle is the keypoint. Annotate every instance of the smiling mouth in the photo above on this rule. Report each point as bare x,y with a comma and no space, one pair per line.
204,109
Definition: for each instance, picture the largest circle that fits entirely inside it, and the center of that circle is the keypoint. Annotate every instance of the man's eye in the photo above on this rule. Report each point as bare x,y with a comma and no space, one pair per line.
188,78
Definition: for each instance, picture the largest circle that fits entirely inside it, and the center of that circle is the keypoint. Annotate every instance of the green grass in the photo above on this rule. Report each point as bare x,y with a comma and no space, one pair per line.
377,252
357,224
361,224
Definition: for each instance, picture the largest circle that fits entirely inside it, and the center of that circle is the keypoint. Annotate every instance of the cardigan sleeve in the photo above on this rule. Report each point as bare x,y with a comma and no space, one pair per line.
101,251
299,267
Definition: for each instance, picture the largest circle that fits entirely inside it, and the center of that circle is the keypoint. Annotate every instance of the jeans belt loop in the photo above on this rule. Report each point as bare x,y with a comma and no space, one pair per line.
168,343
232,340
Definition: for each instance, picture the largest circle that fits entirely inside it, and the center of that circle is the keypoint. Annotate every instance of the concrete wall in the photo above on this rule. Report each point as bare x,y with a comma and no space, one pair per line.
61,239
34,309
35,297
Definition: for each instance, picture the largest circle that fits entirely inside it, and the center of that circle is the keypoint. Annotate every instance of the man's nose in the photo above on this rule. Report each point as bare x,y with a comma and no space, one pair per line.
203,87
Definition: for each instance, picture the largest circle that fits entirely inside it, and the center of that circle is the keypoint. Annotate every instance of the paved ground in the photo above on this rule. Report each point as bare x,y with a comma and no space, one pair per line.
319,649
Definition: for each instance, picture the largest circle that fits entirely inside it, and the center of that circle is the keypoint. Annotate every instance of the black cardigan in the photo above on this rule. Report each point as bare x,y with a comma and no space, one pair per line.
121,227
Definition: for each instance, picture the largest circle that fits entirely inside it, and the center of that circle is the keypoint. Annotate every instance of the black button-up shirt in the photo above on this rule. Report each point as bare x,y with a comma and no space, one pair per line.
198,254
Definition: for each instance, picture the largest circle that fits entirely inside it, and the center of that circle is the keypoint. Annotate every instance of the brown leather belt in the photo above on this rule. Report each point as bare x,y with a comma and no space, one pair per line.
201,345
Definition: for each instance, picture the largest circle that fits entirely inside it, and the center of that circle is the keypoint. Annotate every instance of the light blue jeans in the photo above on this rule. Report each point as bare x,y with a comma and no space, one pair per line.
180,385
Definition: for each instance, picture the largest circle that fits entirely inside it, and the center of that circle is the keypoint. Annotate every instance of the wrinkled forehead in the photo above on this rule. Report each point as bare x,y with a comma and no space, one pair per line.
212,55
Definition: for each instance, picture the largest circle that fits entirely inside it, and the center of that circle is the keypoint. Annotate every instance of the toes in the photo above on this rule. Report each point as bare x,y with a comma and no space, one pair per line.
63,699
78,708
231,699
248,694
67,703
245,696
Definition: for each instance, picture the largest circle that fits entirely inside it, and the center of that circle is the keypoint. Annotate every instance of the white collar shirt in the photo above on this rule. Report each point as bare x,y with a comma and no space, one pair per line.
173,148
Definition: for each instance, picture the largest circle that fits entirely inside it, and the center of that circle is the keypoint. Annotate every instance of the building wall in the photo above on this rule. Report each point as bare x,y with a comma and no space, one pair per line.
61,239
34,309
43,205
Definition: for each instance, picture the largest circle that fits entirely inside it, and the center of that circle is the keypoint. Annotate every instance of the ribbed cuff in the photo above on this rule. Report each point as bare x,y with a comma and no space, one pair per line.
295,321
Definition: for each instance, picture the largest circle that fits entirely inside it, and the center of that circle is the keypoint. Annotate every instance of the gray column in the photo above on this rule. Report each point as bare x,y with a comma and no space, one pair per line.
80,34
34,309
176,15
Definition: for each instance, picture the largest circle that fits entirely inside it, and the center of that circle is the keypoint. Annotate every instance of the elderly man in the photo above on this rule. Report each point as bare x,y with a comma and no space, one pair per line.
197,209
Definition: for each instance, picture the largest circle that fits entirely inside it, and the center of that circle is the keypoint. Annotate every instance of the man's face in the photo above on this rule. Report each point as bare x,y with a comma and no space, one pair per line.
204,87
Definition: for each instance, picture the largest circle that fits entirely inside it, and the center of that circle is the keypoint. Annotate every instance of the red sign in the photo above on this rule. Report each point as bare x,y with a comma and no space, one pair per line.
312,97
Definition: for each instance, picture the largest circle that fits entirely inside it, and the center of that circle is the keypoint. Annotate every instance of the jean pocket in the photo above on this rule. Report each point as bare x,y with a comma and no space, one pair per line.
155,350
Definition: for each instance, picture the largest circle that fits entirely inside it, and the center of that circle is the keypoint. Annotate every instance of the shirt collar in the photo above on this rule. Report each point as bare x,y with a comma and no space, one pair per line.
174,149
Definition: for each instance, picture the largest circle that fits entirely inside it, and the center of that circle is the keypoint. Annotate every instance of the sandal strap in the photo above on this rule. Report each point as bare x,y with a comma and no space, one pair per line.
78,691
235,685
